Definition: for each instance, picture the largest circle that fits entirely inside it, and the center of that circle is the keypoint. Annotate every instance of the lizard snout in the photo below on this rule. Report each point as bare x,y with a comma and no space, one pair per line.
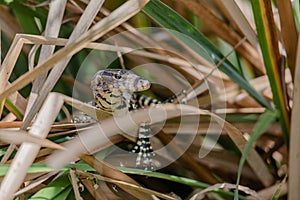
142,84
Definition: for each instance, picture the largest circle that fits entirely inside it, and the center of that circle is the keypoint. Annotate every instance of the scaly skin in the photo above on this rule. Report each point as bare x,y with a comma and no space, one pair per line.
113,91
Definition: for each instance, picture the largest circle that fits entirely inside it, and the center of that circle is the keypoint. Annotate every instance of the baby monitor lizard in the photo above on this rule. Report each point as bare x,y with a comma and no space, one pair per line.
114,91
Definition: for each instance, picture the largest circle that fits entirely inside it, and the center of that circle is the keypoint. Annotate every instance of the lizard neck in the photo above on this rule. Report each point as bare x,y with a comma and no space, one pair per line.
113,101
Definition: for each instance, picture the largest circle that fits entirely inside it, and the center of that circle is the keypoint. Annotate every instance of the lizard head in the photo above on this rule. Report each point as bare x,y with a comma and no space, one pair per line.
122,80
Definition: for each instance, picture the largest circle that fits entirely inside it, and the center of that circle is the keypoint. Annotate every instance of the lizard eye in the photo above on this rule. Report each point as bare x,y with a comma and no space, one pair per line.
118,76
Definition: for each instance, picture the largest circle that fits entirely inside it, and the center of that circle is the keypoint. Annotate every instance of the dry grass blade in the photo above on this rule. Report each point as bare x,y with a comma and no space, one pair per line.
225,32
18,101
226,186
9,22
120,15
74,183
185,157
198,84
240,20
207,128
254,160
87,109
28,151
9,61
289,32
102,192
268,193
18,137
274,64
54,20
0,46
13,54
189,153
83,24
37,182
128,185
109,171
294,165
6,69
183,64
85,143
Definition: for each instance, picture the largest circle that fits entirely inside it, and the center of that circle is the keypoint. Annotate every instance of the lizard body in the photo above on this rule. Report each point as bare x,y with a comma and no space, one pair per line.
114,91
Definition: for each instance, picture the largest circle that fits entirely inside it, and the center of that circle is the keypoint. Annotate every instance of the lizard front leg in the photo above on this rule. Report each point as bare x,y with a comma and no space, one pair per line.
143,148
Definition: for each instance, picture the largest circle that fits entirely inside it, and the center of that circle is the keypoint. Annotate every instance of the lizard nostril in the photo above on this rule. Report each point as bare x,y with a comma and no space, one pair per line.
145,83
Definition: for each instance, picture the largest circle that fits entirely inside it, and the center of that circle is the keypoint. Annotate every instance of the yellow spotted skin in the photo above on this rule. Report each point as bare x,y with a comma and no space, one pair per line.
113,88
113,91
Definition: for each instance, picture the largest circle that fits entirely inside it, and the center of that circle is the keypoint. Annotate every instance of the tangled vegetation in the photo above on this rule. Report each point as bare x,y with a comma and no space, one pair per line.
234,135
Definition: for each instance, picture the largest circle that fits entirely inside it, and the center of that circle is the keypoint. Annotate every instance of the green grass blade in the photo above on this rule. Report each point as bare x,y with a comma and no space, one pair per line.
276,194
14,109
42,168
269,46
177,179
296,10
264,121
169,19
26,18
60,188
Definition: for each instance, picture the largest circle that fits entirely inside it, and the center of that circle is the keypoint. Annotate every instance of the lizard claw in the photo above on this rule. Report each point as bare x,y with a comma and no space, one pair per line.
178,98
144,150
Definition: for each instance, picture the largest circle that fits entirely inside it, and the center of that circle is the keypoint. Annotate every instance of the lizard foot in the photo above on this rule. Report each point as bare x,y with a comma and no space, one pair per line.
179,98
145,153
